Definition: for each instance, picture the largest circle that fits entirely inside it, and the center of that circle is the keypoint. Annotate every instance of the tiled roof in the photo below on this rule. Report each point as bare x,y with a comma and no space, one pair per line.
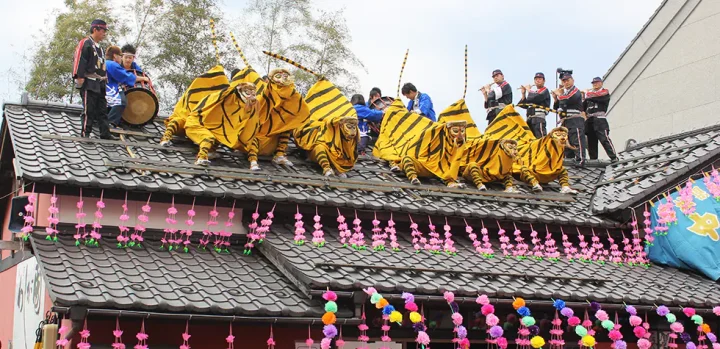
47,150
153,280
648,168
468,274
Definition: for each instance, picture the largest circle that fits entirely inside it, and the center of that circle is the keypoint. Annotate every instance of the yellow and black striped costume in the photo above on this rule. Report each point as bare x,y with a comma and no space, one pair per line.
281,110
223,117
508,124
484,160
544,159
424,148
323,135
458,111
212,81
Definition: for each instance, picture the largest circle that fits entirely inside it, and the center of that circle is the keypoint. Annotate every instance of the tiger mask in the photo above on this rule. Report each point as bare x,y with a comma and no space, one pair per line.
349,127
509,146
281,77
456,132
560,137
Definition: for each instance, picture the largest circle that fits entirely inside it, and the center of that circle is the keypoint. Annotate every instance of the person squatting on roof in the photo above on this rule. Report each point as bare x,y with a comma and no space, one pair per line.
420,103
596,126
569,104
537,95
365,115
89,75
117,78
497,95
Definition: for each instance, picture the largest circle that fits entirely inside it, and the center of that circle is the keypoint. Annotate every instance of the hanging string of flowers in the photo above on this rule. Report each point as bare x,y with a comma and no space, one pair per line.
29,218
345,233
80,232
649,238
695,318
568,248
417,319
487,250
639,329
494,331
573,321
329,319
340,343
460,331
505,246
136,238
299,227
616,336
230,339
62,341
528,326
142,337
538,247
666,215
551,249
53,218
390,230
615,253
271,339
170,231
556,333
186,336
222,239
309,341
600,254
449,244
318,235
84,335
265,224
585,254
123,237
117,333
388,311
418,240
362,329
378,236
96,226
712,182
186,233
358,238
252,234
521,248
435,241
210,225
685,198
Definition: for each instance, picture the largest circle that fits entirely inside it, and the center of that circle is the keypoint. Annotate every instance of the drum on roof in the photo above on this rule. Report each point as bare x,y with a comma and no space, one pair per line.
142,103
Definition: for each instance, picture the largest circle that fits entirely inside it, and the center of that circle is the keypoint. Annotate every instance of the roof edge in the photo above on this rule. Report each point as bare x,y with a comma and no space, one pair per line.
655,141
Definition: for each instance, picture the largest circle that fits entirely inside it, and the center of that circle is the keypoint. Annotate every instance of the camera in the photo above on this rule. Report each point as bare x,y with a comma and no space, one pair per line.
562,71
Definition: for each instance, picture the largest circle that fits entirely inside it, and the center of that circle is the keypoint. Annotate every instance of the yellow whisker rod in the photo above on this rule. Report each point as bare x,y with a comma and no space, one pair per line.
290,61
214,40
401,72
237,47
466,80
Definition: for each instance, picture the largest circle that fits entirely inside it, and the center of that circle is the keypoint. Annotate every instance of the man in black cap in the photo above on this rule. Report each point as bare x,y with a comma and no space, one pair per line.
569,104
538,95
596,126
497,95
90,77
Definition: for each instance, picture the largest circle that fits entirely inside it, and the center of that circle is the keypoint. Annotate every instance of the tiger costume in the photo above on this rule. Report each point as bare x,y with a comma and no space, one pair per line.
330,135
489,160
202,86
422,147
281,110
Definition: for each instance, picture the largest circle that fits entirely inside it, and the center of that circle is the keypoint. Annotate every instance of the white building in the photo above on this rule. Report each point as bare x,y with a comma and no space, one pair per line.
668,79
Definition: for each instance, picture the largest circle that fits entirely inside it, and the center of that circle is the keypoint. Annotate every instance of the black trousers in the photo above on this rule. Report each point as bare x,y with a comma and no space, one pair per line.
576,138
598,131
538,126
95,111
492,114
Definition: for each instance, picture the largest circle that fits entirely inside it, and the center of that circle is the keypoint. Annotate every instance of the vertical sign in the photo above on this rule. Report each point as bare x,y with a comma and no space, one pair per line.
29,303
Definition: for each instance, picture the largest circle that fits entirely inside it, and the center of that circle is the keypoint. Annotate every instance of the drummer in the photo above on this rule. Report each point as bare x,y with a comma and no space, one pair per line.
128,61
117,76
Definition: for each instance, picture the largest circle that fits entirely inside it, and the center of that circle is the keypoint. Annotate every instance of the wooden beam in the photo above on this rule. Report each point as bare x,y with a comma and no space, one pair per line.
132,133
14,260
10,245
641,174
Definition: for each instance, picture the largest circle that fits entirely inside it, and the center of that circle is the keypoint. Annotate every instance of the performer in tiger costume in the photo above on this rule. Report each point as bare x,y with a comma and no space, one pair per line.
330,135
489,160
202,86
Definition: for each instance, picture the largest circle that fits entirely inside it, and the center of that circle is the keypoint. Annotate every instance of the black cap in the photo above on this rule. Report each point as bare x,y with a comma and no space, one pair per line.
98,23
496,72
539,75
597,79
565,76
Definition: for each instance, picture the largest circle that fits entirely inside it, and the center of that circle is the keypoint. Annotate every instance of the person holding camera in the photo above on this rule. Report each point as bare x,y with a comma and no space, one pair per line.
538,95
569,105
497,95
597,129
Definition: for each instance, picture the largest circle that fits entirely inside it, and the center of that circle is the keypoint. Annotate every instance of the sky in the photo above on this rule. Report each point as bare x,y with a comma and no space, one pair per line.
520,37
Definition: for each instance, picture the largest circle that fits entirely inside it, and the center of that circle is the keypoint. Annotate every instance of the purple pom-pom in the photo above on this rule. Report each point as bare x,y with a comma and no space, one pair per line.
461,332
711,337
663,310
330,331
690,345
419,327
408,297
685,337
620,345
534,330
595,306
567,312
631,310
496,331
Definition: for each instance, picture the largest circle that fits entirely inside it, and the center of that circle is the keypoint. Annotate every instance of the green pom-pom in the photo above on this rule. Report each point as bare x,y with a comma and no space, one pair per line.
48,237
671,317
77,242
54,238
376,297
331,307
132,244
697,319
186,250
528,321
580,331
119,245
608,325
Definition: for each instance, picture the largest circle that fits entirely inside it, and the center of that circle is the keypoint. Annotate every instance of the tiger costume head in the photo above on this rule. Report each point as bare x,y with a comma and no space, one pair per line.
281,77
560,136
247,92
349,126
509,146
456,132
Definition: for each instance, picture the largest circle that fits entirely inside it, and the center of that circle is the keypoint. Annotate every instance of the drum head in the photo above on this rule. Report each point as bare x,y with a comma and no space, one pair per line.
382,102
142,106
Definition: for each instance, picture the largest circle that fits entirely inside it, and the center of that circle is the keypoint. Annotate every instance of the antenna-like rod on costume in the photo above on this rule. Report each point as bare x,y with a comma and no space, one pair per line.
214,40
290,61
465,88
237,47
401,71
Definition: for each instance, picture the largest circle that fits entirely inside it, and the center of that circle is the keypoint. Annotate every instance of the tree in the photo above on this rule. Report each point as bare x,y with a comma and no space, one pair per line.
51,72
143,13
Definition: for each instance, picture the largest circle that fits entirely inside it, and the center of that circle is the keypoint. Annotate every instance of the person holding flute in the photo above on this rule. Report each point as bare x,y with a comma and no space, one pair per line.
537,95
497,95
597,129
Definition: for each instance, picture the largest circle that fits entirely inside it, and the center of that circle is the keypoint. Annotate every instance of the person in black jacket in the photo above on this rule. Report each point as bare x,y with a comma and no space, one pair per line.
596,126
497,95
538,95
90,77
569,104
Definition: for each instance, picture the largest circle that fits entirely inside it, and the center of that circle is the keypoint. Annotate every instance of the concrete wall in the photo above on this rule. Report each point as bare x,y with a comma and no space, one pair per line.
668,80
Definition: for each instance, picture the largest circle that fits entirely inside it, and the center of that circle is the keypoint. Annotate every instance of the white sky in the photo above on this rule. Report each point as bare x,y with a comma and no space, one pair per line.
520,37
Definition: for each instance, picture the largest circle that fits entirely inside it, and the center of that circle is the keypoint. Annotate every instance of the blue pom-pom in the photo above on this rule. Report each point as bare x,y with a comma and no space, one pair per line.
559,304
523,311
388,309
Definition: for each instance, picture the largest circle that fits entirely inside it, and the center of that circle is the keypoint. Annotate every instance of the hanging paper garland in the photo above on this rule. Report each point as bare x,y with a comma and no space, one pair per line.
252,234
186,336
340,343
494,331
418,240
698,320
527,326
265,224
615,253
538,247
639,329
449,244
210,225
171,229
712,182
362,328
309,341
568,248
435,241
551,249
585,254
299,228
96,226
573,321
477,245
271,339
137,236
390,230
117,333
345,233
52,219
62,341
378,236
616,336
521,248
29,218
188,232
685,199
230,339
487,250
648,227
80,232
222,239
84,335
358,237
457,319
600,254
318,235
505,246
417,319
142,337
329,319
556,333
388,311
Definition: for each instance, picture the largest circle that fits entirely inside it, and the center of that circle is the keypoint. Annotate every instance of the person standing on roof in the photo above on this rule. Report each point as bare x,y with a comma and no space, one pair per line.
420,103
569,104
128,58
117,77
497,95
374,95
596,126
537,95
89,75
365,115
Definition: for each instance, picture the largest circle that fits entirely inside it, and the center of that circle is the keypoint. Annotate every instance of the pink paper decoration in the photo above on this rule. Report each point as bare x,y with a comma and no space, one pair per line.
505,245
136,238
551,249
53,218
538,247
309,341
265,224
649,238
252,234
685,198
80,232
29,218
378,236
117,333
123,238
556,333
142,337
390,230
222,238
318,235
477,245
358,237
96,226
362,328
487,250
84,335
345,233
435,241
568,248
449,244
585,254
521,248
712,182
186,233
299,227
186,336
600,253
271,339
62,341
210,225
230,339
419,242
171,229
615,253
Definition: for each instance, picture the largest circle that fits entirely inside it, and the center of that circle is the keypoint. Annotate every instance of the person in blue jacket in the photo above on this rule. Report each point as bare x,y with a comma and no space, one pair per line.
365,115
420,103
128,58
117,77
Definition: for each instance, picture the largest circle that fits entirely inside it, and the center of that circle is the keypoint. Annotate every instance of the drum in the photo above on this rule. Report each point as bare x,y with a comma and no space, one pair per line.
142,103
380,104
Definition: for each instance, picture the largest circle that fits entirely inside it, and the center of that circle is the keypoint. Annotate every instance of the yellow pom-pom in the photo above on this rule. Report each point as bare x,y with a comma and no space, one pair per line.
588,341
329,318
415,317
396,316
518,303
381,303
537,342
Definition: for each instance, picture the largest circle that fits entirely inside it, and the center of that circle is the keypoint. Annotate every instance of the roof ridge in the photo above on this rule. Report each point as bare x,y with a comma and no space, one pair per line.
660,140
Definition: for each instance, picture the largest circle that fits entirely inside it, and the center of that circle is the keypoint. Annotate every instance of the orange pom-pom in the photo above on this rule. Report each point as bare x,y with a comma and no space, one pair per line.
518,303
329,318
381,303
706,328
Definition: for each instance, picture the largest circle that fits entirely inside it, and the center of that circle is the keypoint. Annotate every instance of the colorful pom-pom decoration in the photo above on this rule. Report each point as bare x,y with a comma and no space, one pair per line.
574,320
643,343
615,335
671,317
375,298
697,319
607,324
523,311
382,303
581,331
677,327
330,296
537,342
483,300
528,321
396,317
329,318
620,345
588,341
567,312
496,331
689,312
635,320
518,303
388,309
662,310
331,307
415,317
